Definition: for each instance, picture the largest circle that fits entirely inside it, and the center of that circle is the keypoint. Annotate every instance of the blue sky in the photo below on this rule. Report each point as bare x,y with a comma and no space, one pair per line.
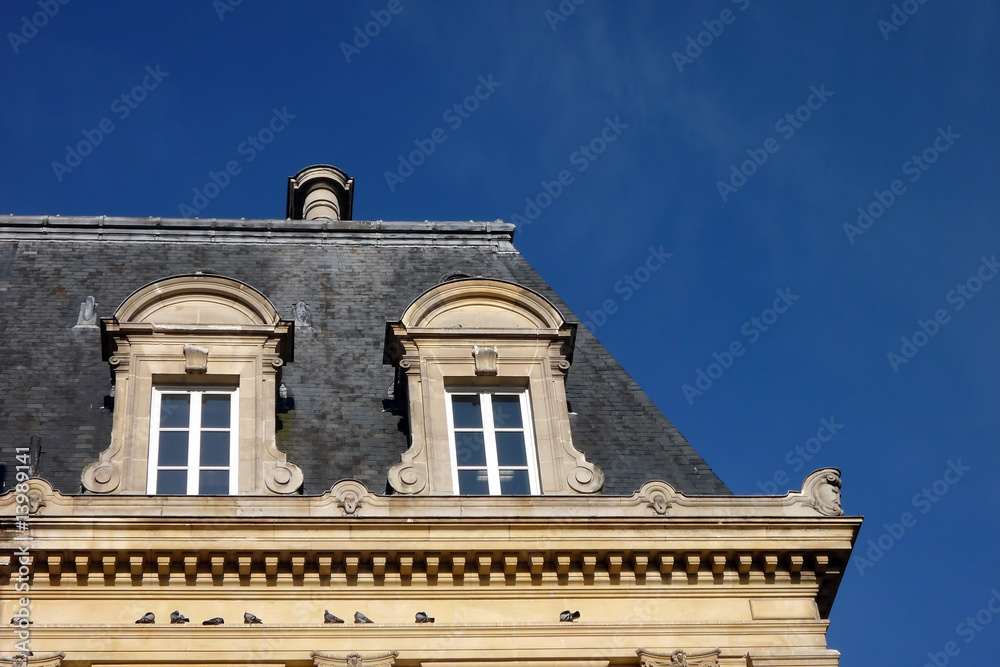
740,137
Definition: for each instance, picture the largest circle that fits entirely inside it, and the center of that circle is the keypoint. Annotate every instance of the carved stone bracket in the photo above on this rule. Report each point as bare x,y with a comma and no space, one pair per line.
384,659
282,476
678,658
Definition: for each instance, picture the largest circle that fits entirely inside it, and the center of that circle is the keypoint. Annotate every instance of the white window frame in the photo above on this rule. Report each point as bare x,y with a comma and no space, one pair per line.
193,466
489,436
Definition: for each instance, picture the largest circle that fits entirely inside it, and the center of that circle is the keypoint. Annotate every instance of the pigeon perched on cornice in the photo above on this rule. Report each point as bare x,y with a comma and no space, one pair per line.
250,618
148,617
218,620
569,616
423,618
178,617
330,618
14,620
361,618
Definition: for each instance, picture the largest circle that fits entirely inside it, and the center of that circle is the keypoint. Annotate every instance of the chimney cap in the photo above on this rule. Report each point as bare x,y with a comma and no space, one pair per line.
322,175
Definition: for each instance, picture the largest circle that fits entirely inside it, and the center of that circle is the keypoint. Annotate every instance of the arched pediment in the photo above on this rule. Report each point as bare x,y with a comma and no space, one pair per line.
197,300
481,304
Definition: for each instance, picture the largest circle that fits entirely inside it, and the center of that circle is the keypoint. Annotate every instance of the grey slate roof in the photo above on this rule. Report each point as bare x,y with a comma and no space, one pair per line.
354,275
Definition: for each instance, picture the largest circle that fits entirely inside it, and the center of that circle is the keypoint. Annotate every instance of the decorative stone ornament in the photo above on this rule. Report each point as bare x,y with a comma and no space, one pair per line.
195,359
430,346
486,359
678,659
88,314
354,659
163,333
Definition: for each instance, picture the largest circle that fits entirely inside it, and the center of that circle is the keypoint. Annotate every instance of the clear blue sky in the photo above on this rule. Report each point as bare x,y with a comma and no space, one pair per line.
739,137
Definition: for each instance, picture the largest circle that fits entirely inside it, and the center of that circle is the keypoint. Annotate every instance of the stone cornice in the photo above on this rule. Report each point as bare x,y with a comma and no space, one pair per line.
195,230
820,497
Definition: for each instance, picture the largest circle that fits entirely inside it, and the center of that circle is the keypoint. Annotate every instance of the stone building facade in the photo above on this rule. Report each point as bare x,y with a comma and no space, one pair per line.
268,426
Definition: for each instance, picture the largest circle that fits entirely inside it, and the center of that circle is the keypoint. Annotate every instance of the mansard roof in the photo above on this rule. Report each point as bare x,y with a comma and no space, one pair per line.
353,277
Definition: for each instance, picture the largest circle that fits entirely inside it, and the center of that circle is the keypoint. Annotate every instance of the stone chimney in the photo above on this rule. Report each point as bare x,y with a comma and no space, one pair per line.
320,192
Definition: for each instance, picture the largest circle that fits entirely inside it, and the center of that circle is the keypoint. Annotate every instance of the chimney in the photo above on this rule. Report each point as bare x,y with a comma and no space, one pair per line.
320,192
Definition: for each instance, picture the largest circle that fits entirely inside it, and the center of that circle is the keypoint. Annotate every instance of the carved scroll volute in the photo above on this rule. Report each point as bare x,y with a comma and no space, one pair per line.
409,476
822,491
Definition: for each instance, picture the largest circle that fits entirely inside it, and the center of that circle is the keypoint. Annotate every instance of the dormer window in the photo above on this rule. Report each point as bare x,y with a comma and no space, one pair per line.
195,362
483,365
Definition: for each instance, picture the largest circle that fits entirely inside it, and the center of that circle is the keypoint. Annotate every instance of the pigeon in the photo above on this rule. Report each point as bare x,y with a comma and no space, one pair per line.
330,618
569,616
218,620
361,618
14,620
178,617
148,617
250,618
424,618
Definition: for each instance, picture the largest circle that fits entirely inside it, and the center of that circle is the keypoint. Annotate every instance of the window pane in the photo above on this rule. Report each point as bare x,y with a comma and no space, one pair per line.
466,411
514,483
473,483
174,410
171,482
213,482
215,411
470,449
510,448
173,448
507,411
215,448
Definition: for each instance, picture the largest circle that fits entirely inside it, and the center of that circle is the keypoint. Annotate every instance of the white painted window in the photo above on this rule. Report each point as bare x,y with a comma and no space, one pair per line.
492,446
192,442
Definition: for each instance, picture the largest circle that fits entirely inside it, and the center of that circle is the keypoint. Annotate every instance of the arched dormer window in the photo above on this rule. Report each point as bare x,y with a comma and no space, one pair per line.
195,360
485,363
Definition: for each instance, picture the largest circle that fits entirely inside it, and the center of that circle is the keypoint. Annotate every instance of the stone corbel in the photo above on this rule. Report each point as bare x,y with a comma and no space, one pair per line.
384,659
678,658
